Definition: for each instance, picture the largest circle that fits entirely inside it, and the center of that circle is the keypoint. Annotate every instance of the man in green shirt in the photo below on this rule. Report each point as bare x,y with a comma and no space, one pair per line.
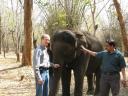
112,63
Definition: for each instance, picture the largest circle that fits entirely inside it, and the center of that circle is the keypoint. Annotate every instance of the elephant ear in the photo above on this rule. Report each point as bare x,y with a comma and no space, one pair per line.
79,35
81,39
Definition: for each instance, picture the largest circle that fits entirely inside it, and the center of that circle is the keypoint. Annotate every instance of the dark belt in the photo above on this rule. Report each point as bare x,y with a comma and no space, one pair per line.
43,68
110,73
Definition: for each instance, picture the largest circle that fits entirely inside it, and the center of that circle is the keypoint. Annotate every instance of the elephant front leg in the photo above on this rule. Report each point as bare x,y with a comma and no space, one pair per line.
55,81
66,78
90,90
97,89
79,78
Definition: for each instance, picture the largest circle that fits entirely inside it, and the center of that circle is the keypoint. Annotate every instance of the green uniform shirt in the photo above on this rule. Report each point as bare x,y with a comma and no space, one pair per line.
111,62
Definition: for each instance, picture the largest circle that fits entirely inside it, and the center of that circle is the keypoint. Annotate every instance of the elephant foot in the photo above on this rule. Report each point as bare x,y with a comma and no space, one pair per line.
90,92
96,95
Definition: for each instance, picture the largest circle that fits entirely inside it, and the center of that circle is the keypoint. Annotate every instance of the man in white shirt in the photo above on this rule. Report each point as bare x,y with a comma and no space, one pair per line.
42,64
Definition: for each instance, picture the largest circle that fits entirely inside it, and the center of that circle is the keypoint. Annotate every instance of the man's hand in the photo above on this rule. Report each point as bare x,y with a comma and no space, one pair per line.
56,65
40,81
124,83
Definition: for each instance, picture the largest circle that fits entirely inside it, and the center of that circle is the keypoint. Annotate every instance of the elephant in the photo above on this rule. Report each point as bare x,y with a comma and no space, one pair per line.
66,49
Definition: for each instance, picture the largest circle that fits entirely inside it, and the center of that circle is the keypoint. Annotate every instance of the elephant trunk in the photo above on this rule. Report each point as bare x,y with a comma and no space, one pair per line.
56,78
56,75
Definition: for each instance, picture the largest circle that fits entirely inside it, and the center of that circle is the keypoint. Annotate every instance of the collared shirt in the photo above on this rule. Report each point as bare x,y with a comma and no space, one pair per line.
40,59
111,62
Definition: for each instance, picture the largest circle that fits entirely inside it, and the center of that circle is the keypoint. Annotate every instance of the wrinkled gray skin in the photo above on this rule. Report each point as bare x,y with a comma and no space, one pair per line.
67,52
94,65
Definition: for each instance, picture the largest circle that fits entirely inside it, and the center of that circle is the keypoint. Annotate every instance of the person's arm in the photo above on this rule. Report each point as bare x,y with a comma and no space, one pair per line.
50,64
37,71
88,51
124,81
123,65
55,65
123,74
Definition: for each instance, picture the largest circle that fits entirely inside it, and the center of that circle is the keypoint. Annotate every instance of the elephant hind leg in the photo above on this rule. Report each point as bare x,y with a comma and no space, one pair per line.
66,79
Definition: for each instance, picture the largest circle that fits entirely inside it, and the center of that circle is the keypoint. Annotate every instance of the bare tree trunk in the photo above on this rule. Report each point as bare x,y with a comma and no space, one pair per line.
18,57
16,45
69,20
0,33
23,56
93,9
27,60
18,42
18,49
16,32
34,42
7,46
122,25
3,45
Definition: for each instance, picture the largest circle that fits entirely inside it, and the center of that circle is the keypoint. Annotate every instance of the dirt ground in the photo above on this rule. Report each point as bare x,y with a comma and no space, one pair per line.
11,75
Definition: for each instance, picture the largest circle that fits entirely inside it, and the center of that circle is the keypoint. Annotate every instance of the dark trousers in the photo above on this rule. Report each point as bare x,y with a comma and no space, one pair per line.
110,81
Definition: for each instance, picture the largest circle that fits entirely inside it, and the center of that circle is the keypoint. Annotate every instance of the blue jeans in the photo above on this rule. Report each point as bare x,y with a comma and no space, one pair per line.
43,89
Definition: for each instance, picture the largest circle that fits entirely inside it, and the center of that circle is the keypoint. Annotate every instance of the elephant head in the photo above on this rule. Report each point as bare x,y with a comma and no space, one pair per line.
66,45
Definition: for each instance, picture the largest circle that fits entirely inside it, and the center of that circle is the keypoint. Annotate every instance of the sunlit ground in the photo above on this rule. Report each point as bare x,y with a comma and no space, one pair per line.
11,74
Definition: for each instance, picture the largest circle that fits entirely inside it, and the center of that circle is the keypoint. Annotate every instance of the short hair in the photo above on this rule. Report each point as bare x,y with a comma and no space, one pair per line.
111,42
44,35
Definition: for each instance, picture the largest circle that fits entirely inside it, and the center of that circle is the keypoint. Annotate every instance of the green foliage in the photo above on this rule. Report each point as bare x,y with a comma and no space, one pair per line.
63,14
56,21
87,1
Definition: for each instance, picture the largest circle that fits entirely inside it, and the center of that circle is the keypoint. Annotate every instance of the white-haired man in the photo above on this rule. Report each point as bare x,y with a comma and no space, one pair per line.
42,65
